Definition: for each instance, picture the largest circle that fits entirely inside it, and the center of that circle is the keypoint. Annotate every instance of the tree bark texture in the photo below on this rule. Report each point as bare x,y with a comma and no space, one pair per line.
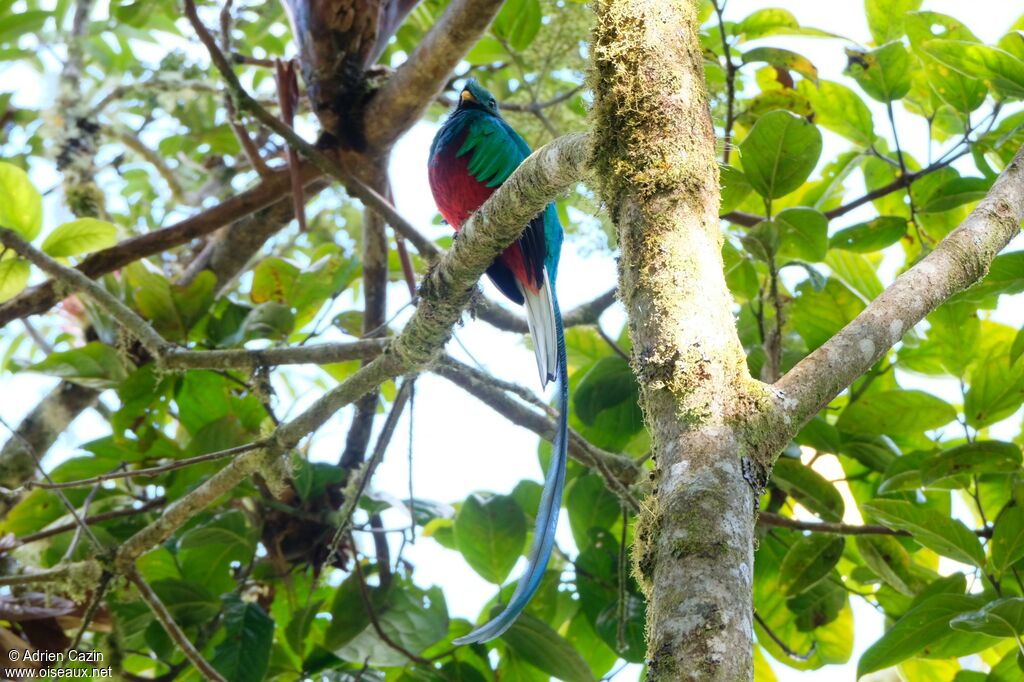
654,153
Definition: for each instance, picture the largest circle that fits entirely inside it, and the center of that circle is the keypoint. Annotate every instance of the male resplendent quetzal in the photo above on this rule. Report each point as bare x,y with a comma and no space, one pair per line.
473,153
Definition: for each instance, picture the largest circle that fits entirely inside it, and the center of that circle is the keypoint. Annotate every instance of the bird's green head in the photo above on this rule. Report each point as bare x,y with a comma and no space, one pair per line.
474,96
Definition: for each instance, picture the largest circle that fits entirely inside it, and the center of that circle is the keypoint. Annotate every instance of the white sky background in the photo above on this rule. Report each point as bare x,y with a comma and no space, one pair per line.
460,445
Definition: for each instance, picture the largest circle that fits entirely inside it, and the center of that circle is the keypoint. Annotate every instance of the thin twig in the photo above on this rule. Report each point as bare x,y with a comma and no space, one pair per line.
149,471
364,593
171,628
89,520
60,495
782,645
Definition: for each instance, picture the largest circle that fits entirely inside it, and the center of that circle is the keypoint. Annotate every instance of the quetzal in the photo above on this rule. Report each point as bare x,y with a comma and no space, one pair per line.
473,153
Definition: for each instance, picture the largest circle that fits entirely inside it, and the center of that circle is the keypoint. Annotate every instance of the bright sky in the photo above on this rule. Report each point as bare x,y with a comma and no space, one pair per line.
461,446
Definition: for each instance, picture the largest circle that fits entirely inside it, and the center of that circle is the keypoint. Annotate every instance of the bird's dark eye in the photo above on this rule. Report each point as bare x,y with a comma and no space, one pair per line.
492,104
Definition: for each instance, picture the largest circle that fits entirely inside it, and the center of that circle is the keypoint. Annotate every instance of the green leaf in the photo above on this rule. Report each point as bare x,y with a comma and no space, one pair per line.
84,235
518,22
14,273
841,110
956,192
207,552
312,478
888,559
922,626
939,533
1007,545
871,236
272,280
411,617
818,315
999,618
95,364
1016,350
997,388
809,560
490,533
803,234
773,22
21,206
884,73
608,384
980,457
349,616
244,654
189,602
1000,69
896,413
590,505
779,153
535,642
886,17
809,488
735,188
782,59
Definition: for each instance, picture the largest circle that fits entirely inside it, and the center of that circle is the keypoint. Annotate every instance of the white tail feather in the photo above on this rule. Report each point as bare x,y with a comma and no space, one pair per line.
540,318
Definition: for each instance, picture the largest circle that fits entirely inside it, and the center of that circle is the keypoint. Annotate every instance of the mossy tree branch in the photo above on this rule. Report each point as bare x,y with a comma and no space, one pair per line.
959,260
654,156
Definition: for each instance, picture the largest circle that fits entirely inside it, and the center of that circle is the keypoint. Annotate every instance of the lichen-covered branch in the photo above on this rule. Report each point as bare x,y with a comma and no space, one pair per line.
243,358
447,291
171,628
960,260
654,159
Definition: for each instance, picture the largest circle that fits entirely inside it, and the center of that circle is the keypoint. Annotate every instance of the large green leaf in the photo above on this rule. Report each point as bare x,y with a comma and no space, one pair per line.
590,505
490,532
979,457
871,236
922,626
999,618
886,17
244,653
818,315
21,206
95,364
14,273
1003,71
782,59
609,384
888,559
190,603
1007,545
207,552
803,234
779,153
411,617
809,488
884,73
80,236
956,192
841,110
939,533
773,21
536,643
896,413
518,22
810,559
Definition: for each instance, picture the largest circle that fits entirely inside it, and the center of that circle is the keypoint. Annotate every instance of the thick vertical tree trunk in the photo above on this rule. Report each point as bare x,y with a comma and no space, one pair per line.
654,152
